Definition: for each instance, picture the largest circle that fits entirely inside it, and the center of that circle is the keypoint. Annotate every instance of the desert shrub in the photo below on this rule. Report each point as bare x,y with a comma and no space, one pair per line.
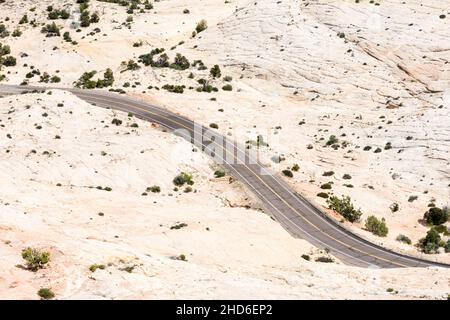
344,207
326,186
324,259
3,31
35,259
130,65
116,122
295,167
23,20
447,246
174,88
227,87
51,30
67,37
46,293
394,207
85,19
436,216
219,173
9,61
180,62
214,125
376,226
403,238
215,71
288,173
178,226
162,62
86,82
154,189
181,257
323,195
17,33
94,18
328,173
4,49
332,140
201,26
306,257
346,176
94,267
430,243
55,79
183,178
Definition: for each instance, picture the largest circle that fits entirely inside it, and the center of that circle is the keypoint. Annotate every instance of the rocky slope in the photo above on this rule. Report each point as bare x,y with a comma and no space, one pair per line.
50,201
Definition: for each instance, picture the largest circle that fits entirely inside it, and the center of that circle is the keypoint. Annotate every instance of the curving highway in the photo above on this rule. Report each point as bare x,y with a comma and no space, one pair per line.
298,216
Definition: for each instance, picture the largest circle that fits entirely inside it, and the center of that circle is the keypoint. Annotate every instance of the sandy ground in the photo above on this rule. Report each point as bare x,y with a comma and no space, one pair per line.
47,202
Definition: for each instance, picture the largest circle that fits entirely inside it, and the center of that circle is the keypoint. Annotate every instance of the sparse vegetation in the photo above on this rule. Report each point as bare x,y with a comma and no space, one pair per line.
437,216
403,238
35,259
86,82
344,207
94,267
288,173
201,26
430,244
376,226
219,173
46,293
183,178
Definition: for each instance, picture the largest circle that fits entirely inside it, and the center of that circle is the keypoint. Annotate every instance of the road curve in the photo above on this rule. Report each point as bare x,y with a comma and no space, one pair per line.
298,216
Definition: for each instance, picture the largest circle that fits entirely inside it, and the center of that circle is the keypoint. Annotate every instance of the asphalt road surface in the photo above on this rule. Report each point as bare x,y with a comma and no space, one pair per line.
298,216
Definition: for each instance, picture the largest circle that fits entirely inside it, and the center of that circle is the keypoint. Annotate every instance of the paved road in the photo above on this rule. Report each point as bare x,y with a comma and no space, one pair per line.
292,211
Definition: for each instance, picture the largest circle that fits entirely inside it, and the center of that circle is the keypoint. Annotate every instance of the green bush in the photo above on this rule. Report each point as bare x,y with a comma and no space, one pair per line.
46,293
183,178
436,216
332,140
154,189
344,207
35,259
376,226
394,207
430,243
323,195
174,88
288,173
201,26
447,246
215,71
9,61
324,259
227,87
306,257
94,267
51,30
219,173
180,63
403,238
326,186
